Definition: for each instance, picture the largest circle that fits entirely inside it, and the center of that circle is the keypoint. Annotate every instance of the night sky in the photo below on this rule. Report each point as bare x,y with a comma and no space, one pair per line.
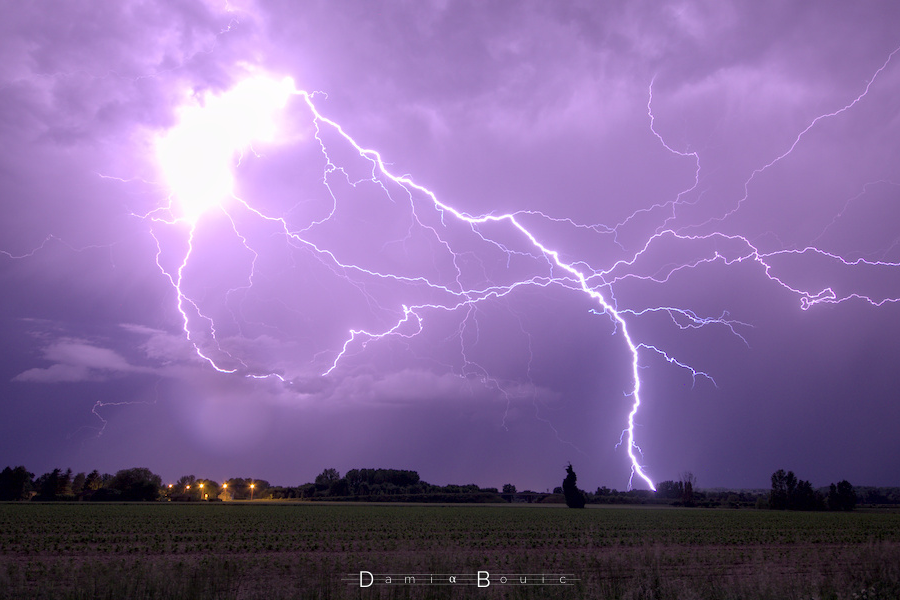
200,274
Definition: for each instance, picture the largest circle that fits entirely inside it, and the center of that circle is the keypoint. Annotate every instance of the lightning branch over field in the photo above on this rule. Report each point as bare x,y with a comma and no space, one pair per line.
198,158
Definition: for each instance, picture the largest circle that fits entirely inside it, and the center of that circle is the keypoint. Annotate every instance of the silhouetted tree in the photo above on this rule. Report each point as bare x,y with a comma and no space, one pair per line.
806,498
601,491
790,493
509,492
670,489
778,496
574,497
841,496
136,484
353,480
339,487
78,484
94,487
54,485
873,495
64,484
688,483
790,483
93,481
15,484
308,490
326,478
402,480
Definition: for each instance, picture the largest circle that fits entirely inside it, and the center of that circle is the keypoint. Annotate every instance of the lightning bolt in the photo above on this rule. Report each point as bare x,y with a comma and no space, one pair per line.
207,185
201,182
198,158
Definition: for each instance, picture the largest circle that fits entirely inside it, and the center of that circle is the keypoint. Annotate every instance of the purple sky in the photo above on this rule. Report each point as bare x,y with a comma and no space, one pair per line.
762,179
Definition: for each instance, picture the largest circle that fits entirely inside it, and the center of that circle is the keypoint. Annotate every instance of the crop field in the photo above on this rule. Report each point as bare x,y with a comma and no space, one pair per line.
302,550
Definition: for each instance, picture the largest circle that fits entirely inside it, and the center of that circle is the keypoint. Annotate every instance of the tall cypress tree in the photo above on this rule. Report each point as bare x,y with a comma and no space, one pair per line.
574,497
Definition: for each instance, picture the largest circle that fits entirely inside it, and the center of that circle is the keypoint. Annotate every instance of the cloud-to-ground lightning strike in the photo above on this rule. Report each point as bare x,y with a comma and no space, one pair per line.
200,181
198,158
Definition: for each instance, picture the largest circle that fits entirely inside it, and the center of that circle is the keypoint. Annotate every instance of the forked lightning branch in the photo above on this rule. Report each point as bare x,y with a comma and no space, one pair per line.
198,158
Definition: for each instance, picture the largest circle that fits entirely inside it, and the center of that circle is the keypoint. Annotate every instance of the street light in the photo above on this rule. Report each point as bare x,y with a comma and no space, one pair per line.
225,491
252,485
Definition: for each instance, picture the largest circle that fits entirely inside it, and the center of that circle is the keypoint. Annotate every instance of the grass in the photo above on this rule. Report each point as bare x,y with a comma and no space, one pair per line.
296,550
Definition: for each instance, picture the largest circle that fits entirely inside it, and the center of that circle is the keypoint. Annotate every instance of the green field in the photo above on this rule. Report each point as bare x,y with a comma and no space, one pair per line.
301,550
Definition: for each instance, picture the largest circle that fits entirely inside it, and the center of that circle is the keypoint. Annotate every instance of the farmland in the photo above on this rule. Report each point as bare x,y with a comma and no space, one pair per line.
302,550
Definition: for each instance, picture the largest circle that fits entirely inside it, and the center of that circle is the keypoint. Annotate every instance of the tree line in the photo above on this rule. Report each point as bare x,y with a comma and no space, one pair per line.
383,484
128,484
140,484
787,492
790,493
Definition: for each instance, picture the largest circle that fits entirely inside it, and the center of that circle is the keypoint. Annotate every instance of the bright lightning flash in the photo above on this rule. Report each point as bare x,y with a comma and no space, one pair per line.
198,159
197,156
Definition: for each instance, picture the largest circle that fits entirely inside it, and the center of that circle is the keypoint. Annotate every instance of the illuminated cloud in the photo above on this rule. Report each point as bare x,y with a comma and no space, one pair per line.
197,156
78,360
